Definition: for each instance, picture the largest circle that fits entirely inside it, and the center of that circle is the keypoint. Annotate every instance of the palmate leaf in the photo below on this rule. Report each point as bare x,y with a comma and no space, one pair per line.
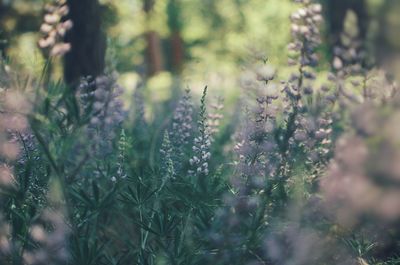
138,196
144,225
96,201
83,198
85,252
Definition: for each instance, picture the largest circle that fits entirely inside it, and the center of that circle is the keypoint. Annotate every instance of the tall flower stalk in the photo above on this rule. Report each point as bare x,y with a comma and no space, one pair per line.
201,147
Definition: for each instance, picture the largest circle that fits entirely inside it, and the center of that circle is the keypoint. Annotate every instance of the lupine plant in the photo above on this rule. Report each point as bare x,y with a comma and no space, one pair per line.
306,172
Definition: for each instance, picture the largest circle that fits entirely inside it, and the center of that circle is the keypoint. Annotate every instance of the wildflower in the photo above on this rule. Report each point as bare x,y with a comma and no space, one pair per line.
60,49
361,178
182,122
6,176
53,245
202,142
337,63
167,167
122,149
138,100
100,103
215,116
54,29
303,245
265,73
6,245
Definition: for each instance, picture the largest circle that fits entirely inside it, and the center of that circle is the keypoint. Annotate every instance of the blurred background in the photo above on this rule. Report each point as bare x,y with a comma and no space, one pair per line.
186,43
160,47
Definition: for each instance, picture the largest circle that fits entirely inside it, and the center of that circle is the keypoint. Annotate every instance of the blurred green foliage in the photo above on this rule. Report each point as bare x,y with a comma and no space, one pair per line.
217,36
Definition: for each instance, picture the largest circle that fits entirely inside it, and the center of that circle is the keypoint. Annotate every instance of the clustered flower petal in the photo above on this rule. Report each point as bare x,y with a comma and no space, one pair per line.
54,29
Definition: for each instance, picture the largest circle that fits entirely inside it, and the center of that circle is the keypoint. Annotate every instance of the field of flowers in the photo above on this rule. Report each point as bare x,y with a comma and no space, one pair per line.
302,169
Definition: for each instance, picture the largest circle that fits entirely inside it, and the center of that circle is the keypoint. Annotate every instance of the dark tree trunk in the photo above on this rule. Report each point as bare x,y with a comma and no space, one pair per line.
154,55
336,12
177,51
87,39
177,45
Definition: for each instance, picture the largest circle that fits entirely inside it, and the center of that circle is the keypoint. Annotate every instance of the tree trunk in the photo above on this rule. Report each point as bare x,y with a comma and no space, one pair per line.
154,55
87,39
177,46
178,52
336,13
